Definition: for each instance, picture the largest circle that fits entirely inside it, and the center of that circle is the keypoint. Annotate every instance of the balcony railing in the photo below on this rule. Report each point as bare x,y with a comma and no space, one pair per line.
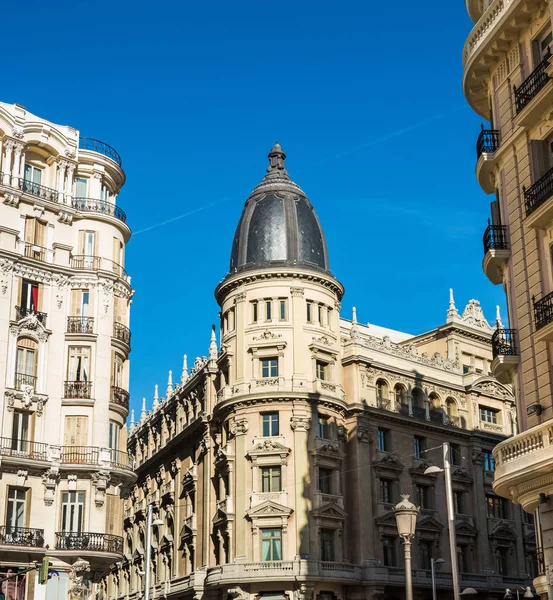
80,324
120,459
532,84
99,206
23,448
77,389
504,343
22,379
21,313
35,252
539,192
488,141
80,455
495,237
543,310
120,396
96,542
122,333
21,536
101,148
35,189
97,263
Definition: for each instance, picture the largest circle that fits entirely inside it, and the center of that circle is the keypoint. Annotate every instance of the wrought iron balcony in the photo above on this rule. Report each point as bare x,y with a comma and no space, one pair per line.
22,379
23,449
120,459
495,237
122,333
488,141
95,542
21,313
100,206
80,455
543,310
34,251
532,84
77,389
35,189
120,396
80,324
21,536
539,192
504,342
97,263
100,147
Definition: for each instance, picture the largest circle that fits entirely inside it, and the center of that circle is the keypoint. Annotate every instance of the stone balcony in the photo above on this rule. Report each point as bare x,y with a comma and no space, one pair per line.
260,497
523,465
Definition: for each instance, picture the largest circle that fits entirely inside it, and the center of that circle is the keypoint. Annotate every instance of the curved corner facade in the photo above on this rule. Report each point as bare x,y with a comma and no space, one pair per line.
508,81
64,353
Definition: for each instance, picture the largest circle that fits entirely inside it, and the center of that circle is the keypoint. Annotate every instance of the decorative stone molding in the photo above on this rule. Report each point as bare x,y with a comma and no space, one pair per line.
11,199
27,397
65,217
76,577
72,482
239,427
241,297
305,591
300,423
22,476
363,435
238,593
100,480
50,480
297,292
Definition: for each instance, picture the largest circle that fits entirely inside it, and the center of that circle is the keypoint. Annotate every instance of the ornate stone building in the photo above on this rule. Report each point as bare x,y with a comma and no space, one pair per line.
64,346
273,465
507,81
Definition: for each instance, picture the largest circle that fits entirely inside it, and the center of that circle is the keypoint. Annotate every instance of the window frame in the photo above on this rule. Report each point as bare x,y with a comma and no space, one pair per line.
324,480
323,426
270,369
272,476
13,506
267,534
382,439
321,370
270,420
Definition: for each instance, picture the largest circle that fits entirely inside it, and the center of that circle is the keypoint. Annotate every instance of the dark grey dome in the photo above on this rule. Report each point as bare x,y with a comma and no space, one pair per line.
278,225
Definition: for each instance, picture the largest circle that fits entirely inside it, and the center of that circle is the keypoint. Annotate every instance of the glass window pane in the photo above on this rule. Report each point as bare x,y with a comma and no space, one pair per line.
276,549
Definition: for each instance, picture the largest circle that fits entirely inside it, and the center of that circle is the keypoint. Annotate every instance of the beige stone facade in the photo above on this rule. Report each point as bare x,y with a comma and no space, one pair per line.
64,347
507,80
275,462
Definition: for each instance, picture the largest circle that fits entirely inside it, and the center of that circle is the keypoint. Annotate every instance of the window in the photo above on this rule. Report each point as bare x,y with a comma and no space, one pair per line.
81,185
501,561
321,368
113,435
422,495
268,310
118,365
35,238
488,415
20,431
497,507
327,545
269,422
400,395
488,461
381,392
32,175
320,310
382,439
386,491
254,312
466,369
464,559
541,46
78,368
104,193
271,479
269,367
454,455
325,480
323,427
282,310
389,551
29,297
271,544
459,503
425,554
309,307
26,363
418,446
16,508
72,510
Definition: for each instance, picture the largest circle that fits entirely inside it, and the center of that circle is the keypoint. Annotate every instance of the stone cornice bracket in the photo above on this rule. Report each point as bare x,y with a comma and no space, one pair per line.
297,292
241,297
100,480
238,593
50,480
300,423
305,591
12,198
239,427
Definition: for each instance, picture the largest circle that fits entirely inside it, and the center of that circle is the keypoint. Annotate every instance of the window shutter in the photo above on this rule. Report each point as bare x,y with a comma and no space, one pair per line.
76,302
114,514
40,233
76,431
81,242
29,230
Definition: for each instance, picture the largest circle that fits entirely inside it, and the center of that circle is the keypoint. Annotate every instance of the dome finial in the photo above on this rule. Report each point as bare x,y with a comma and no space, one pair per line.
276,166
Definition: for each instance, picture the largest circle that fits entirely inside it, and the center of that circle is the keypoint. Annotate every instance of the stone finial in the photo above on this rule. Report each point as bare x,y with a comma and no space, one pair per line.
498,323
452,311
354,328
184,374
213,345
354,315
155,405
132,420
169,389
143,412
276,166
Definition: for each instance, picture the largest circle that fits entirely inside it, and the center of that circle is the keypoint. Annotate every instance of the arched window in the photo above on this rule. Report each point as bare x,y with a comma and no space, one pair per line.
400,394
26,362
418,398
451,407
381,393
434,400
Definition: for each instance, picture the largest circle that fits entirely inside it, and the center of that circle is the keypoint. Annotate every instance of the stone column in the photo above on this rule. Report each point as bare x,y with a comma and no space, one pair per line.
62,166
69,183
300,424
240,304
410,402
298,316
96,186
7,162
479,512
16,164
238,430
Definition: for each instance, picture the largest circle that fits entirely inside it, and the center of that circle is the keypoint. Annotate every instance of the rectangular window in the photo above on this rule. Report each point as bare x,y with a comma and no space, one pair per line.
327,545
271,544
282,310
271,479
72,511
104,193
35,238
464,559
29,296
325,480
488,461
389,551
20,431
268,310
321,369
81,185
488,415
309,306
382,439
501,561
118,367
425,554
418,446
454,455
320,311
497,507
113,435
422,495
16,508
459,503
254,312
79,364
32,175
269,423
323,427
269,367
386,491
26,362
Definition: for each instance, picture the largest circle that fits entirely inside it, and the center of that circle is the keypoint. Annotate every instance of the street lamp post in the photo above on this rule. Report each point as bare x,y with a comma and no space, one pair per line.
150,523
527,593
406,519
433,562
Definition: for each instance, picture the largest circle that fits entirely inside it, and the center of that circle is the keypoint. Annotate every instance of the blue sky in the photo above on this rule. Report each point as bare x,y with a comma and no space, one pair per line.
364,97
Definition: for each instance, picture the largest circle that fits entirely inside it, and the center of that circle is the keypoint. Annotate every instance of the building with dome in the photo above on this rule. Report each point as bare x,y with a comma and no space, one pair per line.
273,463
508,81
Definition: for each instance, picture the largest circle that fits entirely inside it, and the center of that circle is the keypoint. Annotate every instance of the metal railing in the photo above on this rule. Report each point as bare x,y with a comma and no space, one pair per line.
35,252
80,324
120,396
21,313
543,310
540,562
539,192
77,389
100,542
101,148
122,333
495,237
80,455
35,189
99,206
120,459
97,263
21,536
488,141
22,379
504,342
532,84
23,448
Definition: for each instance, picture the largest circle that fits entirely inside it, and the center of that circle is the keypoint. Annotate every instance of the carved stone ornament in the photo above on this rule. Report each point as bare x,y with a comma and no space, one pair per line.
305,591
21,476
11,199
239,427
238,593
100,480
363,435
50,480
297,292
76,577
267,335
300,423
240,297
65,218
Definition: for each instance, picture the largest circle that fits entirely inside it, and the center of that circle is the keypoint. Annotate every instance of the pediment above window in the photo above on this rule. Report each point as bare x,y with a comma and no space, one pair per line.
466,529
268,448
387,461
429,524
31,326
269,508
503,532
330,511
